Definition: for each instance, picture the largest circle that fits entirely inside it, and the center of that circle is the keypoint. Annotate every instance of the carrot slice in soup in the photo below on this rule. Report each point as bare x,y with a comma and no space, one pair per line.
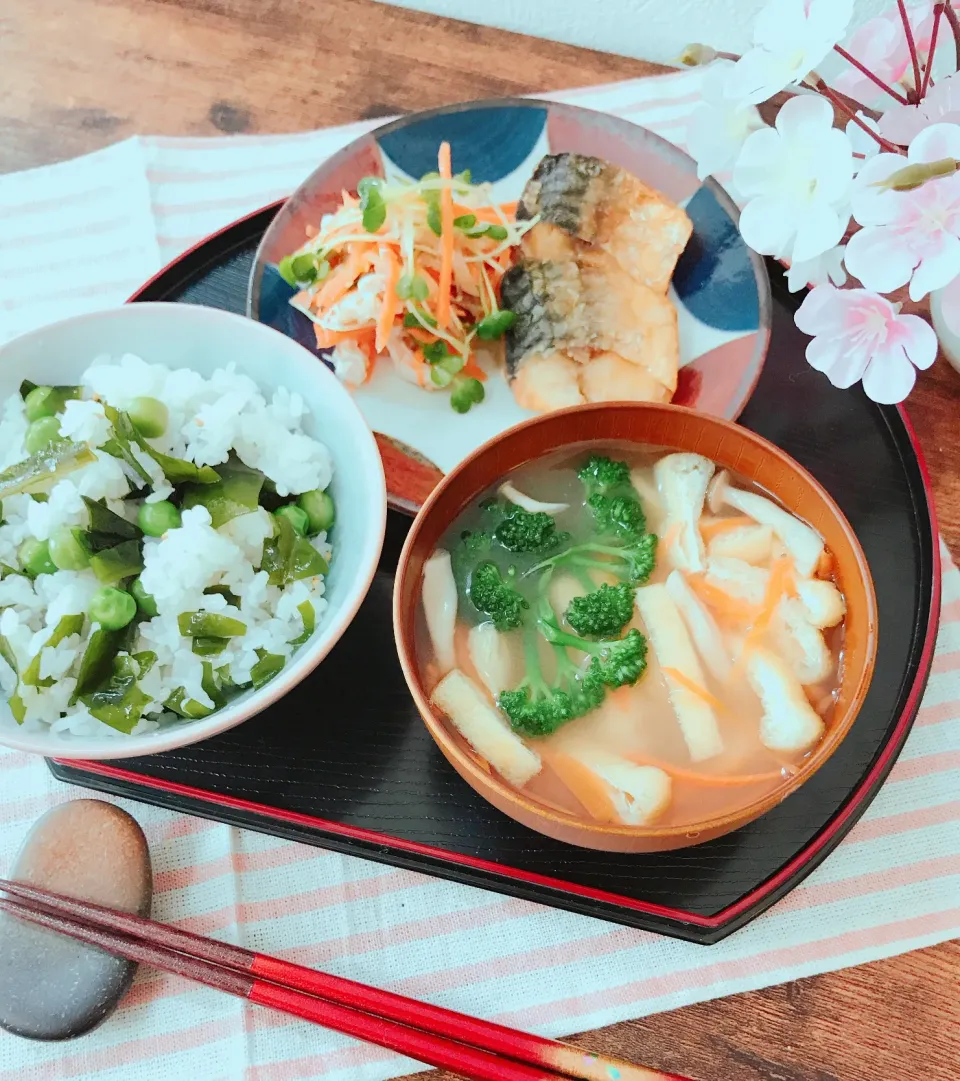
585,785
713,527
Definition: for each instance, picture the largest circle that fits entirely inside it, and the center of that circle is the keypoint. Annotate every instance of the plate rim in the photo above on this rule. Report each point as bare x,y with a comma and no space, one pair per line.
664,147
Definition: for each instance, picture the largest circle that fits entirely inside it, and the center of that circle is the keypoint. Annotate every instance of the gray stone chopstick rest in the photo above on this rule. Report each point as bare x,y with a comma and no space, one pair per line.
51,987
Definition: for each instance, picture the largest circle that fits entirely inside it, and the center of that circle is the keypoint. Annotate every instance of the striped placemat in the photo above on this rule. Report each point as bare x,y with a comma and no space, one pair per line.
96,228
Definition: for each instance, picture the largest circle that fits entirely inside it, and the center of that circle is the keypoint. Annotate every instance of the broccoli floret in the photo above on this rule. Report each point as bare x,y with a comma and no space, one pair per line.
632,562
494,596
465,392
615,662
537,708
527,531
620,515
602,613
612,499
601,475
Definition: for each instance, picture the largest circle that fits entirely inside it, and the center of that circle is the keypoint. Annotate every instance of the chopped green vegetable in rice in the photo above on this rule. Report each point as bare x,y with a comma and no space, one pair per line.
161,550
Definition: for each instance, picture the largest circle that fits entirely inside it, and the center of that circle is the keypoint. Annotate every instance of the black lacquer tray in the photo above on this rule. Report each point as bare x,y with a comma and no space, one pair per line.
362,775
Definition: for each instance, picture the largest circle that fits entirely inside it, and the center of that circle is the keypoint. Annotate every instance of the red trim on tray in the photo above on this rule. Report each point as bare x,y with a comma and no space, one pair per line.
890,751
202,243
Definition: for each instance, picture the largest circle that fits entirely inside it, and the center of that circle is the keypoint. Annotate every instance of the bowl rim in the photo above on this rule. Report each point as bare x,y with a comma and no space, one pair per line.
480,780
668,150
328,634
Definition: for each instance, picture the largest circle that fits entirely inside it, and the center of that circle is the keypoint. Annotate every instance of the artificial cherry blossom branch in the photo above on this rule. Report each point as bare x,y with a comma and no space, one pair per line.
954,22
839,49
837,101
912,46
937,12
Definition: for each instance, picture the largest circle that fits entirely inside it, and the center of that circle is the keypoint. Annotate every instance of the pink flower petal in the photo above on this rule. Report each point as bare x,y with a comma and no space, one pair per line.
879,259
950,305
889,377
918,339
937,269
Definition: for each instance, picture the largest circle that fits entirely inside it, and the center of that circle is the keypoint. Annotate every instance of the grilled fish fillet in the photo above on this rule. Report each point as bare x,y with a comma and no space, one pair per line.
602,216
583,334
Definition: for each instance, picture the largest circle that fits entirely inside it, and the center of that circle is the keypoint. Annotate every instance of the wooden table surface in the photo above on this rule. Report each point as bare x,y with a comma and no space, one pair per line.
76,75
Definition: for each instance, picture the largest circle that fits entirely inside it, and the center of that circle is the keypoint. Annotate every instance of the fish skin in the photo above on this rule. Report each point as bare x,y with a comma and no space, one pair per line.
610,216
587,315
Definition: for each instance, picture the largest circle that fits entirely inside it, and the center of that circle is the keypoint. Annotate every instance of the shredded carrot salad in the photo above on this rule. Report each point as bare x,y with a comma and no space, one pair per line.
410,270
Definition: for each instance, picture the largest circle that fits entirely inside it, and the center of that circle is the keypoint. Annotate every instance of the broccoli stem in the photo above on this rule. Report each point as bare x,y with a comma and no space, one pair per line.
581,575
561,639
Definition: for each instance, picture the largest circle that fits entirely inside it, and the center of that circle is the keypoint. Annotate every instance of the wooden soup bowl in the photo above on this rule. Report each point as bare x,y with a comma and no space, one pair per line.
673,428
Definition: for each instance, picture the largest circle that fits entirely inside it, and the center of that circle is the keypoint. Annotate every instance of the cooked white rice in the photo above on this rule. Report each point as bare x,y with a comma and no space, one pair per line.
208,418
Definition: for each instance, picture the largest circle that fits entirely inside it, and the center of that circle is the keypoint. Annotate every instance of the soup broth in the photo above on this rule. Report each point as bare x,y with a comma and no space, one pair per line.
658,641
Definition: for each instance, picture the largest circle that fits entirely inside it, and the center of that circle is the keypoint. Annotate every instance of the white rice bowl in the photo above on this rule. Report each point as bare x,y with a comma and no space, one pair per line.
231,387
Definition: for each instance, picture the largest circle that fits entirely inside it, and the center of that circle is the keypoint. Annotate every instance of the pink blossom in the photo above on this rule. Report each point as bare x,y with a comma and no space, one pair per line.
881,45
908,236
860,335
901,123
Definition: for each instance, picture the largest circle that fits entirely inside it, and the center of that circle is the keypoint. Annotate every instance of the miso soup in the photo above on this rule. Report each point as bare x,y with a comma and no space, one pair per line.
632,636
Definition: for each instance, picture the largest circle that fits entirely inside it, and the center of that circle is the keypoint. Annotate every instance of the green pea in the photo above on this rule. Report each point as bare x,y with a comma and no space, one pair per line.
112,608
41,434
149,415
319,508
68,549
296,516
47,401
145,601
41,402
35,557
155,519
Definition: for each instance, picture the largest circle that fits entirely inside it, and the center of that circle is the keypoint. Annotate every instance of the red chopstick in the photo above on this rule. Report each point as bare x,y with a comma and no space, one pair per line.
431,1034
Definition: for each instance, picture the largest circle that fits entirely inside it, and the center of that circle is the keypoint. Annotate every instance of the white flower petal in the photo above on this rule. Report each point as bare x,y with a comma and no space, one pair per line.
936,142
889,377
751,174
832,167
842,365
825,268
758,75
872,205
767,224
804,116
938,269
713,83
879,259
902,123
818,230
918,340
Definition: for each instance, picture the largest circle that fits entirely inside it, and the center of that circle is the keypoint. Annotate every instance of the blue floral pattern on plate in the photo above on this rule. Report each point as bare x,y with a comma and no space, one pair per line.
720,287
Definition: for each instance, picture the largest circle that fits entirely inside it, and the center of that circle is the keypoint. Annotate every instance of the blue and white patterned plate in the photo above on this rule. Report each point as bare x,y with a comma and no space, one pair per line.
720,287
